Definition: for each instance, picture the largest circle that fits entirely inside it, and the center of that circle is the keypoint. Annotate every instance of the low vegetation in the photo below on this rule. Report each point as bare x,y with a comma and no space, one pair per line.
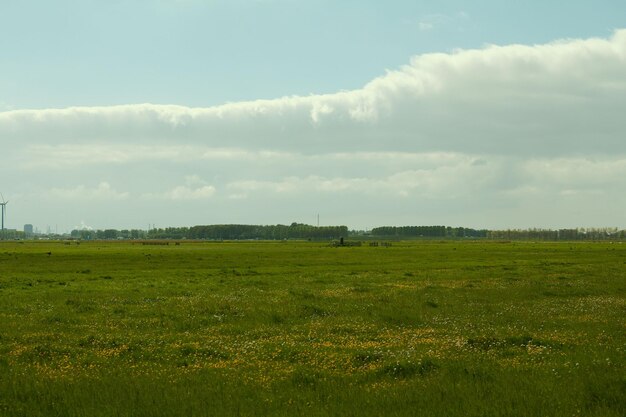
304,328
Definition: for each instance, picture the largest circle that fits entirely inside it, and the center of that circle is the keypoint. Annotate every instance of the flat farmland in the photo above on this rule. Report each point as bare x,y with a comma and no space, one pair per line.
301,328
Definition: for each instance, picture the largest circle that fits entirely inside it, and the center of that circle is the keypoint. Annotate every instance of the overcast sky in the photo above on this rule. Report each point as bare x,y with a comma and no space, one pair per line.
487,114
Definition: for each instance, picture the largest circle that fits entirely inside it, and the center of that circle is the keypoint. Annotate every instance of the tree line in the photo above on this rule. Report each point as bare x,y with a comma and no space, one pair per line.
274,232
446,232
427,231
304,231
604,233
220,232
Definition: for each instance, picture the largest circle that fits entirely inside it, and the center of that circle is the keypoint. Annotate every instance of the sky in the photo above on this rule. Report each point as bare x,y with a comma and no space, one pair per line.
486,114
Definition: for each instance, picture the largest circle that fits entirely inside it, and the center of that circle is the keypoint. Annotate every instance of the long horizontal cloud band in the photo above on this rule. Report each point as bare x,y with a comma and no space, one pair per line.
547,100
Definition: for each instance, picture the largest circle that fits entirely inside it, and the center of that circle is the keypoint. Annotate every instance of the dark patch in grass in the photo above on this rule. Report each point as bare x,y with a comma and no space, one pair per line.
152,300
303,378
313,311
477,267
303,294
87,341
566,293
80,306
432,304
364,358
606,395
53,320
343,330
289,354
277,318
399,312
485,343
258,283
202,352
406,369
41,353
489,343
477,374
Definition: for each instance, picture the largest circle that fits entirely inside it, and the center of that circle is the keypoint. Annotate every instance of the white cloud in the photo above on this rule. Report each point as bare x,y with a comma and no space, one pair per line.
183,192
83,226
425,26
103,191
433,21
319,110
563,97
581,172
195,188
437,182
76,155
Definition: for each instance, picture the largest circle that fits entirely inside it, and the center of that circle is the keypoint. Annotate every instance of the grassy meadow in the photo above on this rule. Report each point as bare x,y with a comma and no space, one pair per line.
305,329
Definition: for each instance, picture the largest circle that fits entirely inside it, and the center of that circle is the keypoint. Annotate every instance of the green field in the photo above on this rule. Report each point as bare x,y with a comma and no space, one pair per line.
301,328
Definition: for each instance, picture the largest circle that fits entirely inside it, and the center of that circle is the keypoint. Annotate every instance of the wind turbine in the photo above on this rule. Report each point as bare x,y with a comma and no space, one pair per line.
4,209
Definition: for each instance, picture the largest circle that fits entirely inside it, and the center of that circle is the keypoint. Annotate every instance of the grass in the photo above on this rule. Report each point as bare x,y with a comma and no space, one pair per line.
295,328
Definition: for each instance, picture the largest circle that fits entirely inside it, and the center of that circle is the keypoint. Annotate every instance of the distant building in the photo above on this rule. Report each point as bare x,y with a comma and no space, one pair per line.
28,230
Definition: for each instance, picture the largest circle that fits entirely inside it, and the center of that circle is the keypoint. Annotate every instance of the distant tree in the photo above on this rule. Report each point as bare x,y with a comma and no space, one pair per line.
110,234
